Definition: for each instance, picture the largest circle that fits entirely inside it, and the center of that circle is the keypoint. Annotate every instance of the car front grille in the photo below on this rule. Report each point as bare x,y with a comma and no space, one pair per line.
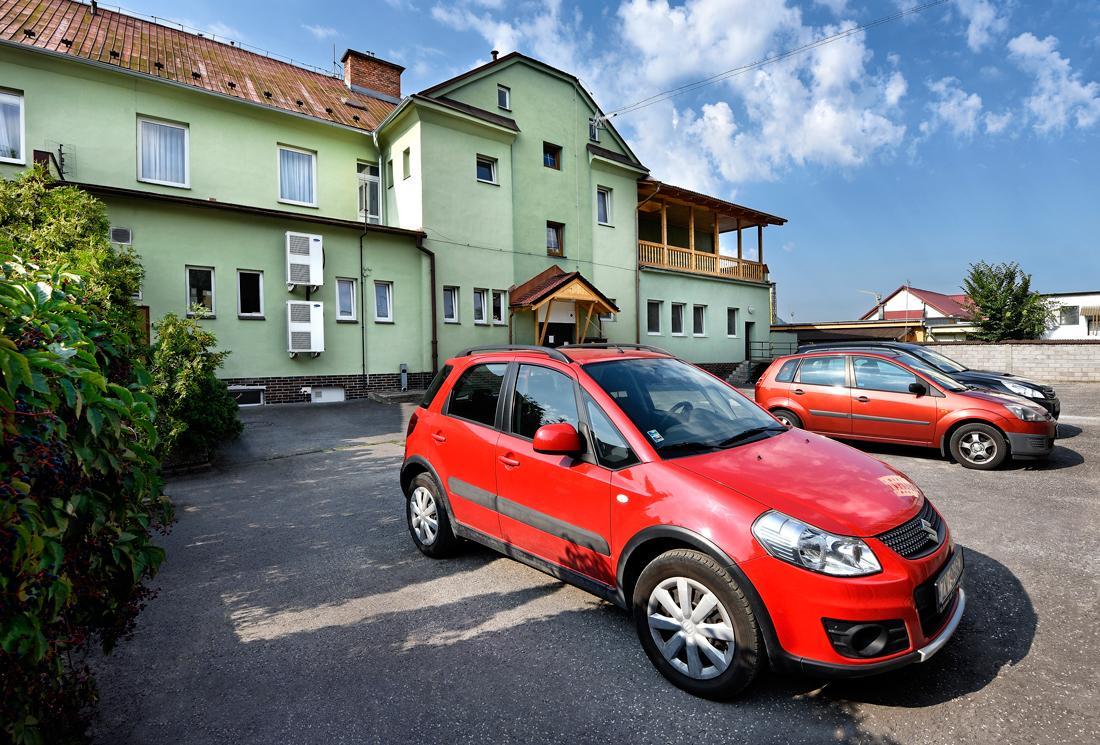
910,539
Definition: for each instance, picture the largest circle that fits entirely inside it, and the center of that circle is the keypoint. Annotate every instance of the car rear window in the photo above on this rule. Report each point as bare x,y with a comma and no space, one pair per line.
435,385
786,373
476,393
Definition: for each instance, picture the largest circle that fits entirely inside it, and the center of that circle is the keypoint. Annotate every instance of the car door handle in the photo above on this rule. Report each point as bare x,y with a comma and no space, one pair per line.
438,437
510,462
798,391
863,399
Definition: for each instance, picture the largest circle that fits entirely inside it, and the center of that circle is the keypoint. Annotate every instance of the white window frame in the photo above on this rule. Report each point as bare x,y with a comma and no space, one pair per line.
593,129
454,304
672,318
365,179
279,174
610,222
241,313
503,301
354,316
660,317
607,317
493,166
389,301
186,183
483,293
736,321
187,289
19,97
406,163
693,331
507,97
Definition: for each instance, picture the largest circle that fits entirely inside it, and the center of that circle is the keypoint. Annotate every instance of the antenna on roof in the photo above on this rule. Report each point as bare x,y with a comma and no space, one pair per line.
878,300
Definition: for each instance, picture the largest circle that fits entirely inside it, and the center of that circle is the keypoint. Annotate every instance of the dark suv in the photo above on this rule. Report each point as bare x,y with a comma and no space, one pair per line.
1037,393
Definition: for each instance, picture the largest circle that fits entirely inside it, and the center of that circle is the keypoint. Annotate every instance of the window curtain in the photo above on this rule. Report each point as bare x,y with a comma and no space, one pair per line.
163,153
296,176
10,134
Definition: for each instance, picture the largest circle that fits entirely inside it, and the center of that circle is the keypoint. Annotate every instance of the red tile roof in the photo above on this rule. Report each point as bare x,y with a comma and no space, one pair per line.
955,306
136,45
545,283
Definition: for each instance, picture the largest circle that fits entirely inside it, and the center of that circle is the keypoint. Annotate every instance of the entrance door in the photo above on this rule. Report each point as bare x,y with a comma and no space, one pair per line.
748,339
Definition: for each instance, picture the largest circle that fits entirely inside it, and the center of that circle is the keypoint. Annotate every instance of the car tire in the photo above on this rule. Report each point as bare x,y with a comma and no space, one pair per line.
788,417
978,446
729,665
427,518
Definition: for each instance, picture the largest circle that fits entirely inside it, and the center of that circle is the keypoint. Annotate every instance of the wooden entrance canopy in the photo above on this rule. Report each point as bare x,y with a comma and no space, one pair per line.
556,285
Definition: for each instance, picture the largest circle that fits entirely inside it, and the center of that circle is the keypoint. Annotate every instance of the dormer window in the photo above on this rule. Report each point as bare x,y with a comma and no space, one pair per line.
504,97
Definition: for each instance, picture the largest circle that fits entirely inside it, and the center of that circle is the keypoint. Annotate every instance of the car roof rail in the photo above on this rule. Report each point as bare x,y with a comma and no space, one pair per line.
861,348
548,351
613,345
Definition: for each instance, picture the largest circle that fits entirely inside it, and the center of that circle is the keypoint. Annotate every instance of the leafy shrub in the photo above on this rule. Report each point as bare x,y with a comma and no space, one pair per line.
196,411
79,492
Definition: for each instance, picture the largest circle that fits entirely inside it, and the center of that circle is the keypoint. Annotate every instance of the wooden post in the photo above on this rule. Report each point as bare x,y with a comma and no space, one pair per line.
691,229
587,320
664,234
546,323
760,243
716,251
739,241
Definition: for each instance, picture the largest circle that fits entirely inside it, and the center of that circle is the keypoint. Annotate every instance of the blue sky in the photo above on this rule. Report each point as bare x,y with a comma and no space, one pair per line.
969,131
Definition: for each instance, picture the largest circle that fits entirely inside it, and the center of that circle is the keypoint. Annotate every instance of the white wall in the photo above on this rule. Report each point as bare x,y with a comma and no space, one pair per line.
1080,329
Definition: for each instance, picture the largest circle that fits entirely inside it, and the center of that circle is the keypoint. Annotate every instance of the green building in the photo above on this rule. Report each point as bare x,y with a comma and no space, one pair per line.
340,233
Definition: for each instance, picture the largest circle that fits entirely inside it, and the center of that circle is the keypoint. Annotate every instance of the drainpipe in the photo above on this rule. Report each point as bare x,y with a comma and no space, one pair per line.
431,280
362,305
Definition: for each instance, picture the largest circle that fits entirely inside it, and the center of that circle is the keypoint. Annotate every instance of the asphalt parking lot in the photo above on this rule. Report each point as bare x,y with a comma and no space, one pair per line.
294,608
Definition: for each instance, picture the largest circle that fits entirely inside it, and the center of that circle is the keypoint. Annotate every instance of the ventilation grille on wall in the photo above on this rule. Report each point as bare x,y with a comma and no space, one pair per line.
121,235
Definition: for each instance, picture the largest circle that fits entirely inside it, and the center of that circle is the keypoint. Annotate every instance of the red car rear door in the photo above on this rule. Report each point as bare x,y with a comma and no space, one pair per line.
821,386
883,407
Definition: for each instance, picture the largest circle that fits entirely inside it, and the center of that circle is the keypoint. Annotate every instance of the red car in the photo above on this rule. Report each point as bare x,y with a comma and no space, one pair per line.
733,540
888,396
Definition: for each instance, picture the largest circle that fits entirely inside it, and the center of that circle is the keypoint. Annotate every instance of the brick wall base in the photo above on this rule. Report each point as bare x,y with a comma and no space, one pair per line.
721,369
288,390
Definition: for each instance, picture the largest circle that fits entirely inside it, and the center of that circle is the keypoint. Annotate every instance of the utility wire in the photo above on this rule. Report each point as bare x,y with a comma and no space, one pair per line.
688,87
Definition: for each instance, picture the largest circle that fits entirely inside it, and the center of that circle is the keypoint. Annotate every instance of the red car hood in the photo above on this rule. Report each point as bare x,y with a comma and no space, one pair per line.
814,479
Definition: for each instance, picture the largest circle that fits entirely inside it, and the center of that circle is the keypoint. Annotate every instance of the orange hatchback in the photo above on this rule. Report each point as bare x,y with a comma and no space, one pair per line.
886,396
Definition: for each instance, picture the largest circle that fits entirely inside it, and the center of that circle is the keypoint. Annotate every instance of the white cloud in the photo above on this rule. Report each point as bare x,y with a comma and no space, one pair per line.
953,108
1059,97
320,32
896,88
984,22
837,6
996,123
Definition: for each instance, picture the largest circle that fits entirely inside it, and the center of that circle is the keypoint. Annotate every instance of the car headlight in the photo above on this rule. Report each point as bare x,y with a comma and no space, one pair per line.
1023,390
1027,413
811,548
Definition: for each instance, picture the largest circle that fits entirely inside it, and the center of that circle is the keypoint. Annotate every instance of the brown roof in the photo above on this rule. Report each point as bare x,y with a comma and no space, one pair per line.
603,152
954,306
136,45
650,187
545,283
474,111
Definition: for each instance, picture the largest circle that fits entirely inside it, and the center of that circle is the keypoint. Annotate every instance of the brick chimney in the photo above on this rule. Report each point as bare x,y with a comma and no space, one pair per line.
366,73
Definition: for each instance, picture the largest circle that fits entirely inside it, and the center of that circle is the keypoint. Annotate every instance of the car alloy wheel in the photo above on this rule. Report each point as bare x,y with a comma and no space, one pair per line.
424,515
978,447
691,628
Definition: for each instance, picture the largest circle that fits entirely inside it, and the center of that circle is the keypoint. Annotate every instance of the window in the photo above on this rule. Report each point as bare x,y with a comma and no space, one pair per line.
200,288
383,302
677,326
406,163
250,293
653,317
551,156
297,176
11,128
594,129
1069,315
699,320
612,450
731,321
450,305
555,239
504,97
879,375
389,173
433,387
822,371
345,300
498,306
786,373
248,395
481,300
603,205
543,396
486,169
370,193
162,153
608,317
476,393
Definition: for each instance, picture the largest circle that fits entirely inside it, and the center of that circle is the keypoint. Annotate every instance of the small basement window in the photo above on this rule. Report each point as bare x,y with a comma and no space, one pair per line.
248,395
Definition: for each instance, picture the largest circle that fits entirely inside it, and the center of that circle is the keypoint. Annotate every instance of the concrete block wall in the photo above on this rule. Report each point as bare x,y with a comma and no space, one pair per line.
1044,361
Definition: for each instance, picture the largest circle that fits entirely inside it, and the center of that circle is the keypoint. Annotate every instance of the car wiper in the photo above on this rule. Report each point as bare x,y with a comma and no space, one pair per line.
687,445
742,436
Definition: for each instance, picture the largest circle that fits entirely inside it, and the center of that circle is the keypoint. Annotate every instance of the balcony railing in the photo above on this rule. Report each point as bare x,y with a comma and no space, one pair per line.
677,259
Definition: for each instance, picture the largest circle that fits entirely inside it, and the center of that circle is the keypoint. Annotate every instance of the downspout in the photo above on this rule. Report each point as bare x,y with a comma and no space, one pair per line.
431,280
638,269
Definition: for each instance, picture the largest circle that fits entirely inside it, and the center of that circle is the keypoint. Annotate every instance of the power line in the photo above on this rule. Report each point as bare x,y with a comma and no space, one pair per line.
688,87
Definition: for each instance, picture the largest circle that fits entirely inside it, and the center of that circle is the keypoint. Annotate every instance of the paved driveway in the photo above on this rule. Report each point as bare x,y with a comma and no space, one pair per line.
294,608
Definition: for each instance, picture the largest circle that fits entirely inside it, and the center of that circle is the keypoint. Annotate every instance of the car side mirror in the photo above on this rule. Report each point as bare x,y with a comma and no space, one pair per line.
918,389
558,439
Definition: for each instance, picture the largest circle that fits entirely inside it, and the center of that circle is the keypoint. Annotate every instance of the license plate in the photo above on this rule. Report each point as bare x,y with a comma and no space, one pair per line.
949,579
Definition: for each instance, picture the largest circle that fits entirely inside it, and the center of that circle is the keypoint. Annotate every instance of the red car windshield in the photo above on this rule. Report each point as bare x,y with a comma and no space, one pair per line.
679,408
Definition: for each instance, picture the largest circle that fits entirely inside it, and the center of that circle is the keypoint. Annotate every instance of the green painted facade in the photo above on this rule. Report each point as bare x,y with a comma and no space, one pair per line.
489,236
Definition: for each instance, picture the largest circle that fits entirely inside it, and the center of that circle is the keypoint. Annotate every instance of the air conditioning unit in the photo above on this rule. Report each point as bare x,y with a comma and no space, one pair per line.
305,327
305,260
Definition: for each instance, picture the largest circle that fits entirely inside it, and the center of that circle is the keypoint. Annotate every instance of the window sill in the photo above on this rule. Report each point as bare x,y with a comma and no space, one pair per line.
555,256
173,184
387,321
206,317
654,333
350,320
250,317
14,161
698,336
675,334
481,323
489,183
311,205
500,323
731,336
604,224
452,322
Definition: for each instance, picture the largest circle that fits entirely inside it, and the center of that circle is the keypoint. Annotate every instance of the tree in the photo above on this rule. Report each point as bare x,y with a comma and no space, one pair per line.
1003,303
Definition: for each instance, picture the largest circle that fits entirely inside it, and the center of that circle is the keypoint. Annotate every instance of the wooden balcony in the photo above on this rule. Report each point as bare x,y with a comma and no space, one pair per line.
674,258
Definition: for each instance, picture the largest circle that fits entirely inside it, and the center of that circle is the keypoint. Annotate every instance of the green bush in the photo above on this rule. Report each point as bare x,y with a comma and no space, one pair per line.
1004,304
196,411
